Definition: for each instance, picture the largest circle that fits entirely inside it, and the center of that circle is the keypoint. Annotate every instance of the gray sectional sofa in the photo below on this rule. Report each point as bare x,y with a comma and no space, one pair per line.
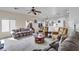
21,32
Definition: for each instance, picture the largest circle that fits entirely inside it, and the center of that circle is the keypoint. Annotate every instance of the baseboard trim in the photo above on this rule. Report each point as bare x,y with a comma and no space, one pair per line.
5,37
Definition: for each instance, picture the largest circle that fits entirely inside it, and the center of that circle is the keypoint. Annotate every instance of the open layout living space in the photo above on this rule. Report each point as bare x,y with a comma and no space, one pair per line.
39,29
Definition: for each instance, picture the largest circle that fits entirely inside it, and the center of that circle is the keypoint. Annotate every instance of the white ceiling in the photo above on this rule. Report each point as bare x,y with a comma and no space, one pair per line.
21,10
46,11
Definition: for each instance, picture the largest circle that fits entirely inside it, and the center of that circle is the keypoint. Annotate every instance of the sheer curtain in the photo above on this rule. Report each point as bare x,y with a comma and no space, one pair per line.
12,25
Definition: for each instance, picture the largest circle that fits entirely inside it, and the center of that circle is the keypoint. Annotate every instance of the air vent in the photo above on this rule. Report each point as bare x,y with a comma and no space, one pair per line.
16,8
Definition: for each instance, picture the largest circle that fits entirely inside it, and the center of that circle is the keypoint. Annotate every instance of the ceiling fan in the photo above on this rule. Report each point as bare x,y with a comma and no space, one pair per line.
34,11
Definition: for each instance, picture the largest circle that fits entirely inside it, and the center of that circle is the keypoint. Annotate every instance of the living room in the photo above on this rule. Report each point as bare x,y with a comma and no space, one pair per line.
35,28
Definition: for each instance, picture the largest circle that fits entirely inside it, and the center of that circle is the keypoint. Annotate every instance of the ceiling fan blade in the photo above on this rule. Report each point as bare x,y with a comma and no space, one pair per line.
29,12
35,13
38,11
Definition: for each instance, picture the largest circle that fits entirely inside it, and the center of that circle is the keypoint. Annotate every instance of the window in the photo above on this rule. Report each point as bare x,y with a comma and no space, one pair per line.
40,25
7,25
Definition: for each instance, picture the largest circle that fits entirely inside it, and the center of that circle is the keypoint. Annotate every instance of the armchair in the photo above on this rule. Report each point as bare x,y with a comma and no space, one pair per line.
63,32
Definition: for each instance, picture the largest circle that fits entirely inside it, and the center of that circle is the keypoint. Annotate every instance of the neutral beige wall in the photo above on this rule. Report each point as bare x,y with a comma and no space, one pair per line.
20,20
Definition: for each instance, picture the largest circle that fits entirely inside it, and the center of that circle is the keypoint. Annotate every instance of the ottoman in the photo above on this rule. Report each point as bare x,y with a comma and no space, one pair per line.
39,39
